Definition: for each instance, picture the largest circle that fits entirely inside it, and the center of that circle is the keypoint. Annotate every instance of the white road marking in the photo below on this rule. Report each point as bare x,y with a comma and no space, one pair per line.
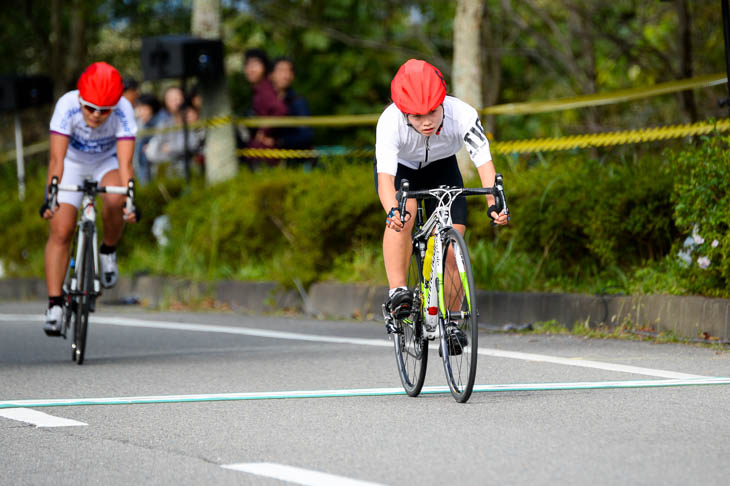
296,475
39,419
585,363
356,392
578,362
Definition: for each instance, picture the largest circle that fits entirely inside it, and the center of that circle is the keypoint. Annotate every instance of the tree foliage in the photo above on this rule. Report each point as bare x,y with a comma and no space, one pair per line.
346,51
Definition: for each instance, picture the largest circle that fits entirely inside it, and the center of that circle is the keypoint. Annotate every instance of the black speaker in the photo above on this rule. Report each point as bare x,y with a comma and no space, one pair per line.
18,92
179,56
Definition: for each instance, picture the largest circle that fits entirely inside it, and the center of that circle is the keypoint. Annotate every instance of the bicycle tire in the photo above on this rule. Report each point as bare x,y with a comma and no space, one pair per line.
458,349
86,287
411,346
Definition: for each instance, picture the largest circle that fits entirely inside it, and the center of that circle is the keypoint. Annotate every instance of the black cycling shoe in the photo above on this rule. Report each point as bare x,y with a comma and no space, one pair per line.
399,304
456,340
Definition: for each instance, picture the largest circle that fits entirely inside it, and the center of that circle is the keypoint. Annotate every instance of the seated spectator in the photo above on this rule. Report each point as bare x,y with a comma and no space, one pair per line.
264,102
146,114
282,77
131,90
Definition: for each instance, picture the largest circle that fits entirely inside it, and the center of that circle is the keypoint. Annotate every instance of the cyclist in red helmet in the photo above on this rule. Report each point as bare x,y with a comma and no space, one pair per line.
417,138
92,133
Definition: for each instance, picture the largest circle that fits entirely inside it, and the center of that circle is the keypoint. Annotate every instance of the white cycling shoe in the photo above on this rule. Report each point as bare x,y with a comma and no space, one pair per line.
54,321
109,270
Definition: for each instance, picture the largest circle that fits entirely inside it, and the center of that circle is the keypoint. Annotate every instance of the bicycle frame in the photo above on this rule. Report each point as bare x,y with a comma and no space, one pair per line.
87,224
442,298
437,223
86,235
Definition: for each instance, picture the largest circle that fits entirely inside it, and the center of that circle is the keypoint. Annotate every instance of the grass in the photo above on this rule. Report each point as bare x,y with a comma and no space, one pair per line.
626,330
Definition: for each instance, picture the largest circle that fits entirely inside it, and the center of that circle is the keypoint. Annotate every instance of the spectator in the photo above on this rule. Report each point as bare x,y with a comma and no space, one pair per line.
131,90
264,101
146,114
282,77
169,146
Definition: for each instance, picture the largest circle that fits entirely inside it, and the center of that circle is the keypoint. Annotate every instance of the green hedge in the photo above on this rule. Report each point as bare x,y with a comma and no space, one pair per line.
614,224
702,208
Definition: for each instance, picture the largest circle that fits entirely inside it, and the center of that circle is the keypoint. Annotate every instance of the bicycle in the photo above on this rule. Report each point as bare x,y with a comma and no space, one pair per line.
444,293
81,285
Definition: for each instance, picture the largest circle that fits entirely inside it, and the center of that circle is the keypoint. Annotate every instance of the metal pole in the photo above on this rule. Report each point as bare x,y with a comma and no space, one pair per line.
726,32
19,158
183,113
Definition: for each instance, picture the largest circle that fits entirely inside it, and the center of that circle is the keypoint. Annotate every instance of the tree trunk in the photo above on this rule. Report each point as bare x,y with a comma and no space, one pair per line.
685,31
220,145
493,33
467,75
77,46
56,64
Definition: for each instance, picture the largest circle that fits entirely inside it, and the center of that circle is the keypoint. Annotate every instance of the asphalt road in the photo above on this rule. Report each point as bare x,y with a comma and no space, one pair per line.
215,403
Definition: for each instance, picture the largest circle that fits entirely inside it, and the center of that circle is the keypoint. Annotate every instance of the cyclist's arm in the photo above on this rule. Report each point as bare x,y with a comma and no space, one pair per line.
386,193
58,147
487,175
125,154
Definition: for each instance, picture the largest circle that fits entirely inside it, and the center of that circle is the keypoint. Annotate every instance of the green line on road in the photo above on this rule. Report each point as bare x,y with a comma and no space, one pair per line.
366,392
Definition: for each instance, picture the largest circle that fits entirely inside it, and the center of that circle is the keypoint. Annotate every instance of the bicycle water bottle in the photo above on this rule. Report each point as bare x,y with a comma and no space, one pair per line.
432,311
427,259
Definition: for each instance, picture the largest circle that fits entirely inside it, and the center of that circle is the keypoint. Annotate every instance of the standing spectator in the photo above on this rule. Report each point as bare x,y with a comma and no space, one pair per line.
264,102
282,77
131,90
146,115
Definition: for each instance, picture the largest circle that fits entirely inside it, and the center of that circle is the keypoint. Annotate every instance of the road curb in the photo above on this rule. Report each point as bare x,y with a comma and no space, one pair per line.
688,317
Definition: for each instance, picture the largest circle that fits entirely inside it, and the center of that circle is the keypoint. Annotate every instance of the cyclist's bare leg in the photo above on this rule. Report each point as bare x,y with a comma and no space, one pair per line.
453,290
397,249
111,213
62,225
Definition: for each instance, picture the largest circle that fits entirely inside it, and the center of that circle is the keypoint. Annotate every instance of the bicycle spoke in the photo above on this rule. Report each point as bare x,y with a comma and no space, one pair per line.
411,349
459,331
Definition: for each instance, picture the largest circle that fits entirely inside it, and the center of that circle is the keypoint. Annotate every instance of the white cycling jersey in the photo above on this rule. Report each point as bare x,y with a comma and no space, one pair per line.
398,143
92,145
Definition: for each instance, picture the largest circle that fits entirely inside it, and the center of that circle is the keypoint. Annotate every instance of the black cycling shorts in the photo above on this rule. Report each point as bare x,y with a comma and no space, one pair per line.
444,172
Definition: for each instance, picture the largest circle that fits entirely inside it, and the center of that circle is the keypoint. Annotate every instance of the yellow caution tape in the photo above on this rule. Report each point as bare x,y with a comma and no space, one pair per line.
530,107
607,139
508,147
599,99
528,146
506,109
305,154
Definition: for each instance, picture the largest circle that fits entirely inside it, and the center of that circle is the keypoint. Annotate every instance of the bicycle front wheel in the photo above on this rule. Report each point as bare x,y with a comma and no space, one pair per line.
411,346
86,286
459,330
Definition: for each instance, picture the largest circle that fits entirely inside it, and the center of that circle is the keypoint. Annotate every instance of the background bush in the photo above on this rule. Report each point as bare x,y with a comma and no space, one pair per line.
702,208
613,223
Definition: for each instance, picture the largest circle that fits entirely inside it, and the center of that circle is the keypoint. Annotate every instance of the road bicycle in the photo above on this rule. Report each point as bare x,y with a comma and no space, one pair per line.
81,285
441,280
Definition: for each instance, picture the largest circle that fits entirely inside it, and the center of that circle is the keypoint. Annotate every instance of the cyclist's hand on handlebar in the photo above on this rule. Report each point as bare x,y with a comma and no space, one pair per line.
502,218
49,206
393,221
131,213
46,212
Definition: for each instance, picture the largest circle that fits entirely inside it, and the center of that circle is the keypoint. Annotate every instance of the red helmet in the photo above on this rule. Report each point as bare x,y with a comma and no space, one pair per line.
100,85
418,87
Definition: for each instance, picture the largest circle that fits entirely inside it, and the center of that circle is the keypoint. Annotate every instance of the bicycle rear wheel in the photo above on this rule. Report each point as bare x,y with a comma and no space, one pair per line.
83,304
411,346
459,330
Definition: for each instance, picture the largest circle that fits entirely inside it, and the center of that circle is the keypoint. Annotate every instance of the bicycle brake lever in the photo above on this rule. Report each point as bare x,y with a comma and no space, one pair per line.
129,205
53,194
402,196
